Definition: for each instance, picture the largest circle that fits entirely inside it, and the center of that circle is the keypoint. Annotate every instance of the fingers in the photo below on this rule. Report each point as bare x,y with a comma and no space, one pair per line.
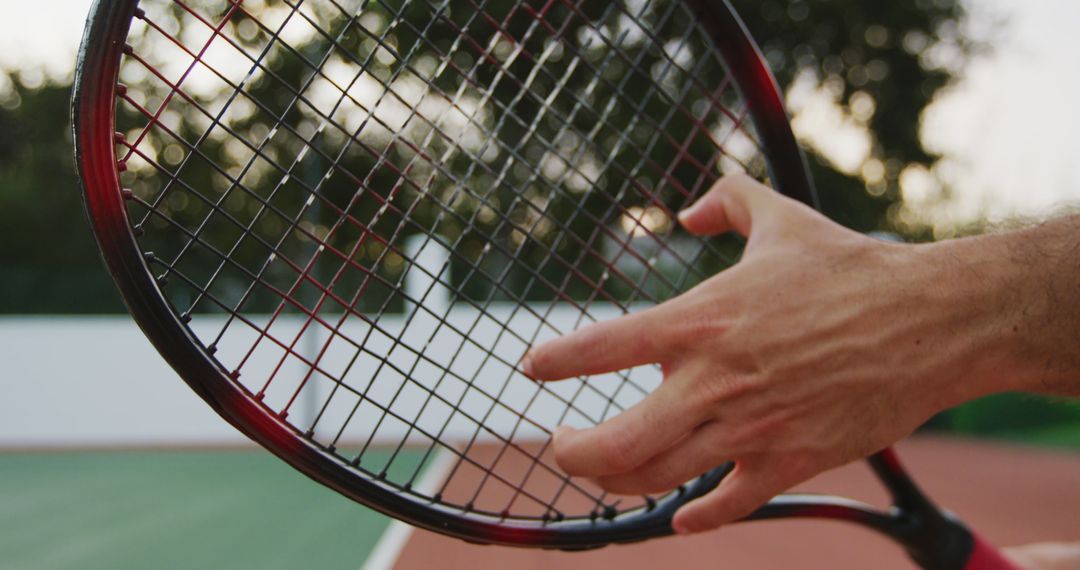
630,438
694,455
606,346
748,487
735,203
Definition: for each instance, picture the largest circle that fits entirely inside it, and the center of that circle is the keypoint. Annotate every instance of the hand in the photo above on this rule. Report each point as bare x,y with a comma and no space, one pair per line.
816,349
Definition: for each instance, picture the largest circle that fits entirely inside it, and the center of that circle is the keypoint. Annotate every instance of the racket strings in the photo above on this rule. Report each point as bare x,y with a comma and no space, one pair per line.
501,451
313,365
292,352
602,245
504,448
225,258
530,130
290,348
567,122
497,457
462,456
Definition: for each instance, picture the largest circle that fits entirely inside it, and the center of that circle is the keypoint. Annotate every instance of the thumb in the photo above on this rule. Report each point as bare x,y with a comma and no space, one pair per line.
748,487
734,203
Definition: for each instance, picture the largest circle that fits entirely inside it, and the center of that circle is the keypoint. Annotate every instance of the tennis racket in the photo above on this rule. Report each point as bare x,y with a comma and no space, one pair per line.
343,223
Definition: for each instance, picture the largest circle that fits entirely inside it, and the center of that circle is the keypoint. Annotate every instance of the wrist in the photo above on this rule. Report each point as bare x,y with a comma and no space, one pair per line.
997,311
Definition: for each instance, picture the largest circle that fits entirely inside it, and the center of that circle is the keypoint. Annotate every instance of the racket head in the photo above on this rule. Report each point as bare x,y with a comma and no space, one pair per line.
124,183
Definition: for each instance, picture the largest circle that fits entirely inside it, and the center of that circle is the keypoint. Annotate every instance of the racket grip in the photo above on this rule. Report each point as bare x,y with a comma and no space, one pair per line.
986,556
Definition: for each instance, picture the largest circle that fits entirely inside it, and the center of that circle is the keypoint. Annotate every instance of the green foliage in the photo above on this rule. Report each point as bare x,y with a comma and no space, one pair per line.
873,50
894,55
1002,413
1024,417
48,260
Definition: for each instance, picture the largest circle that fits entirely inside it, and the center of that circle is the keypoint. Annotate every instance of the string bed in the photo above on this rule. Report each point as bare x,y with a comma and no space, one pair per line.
367,211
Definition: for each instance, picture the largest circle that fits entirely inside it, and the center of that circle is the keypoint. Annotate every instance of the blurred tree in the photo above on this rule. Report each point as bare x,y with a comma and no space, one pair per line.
881,62
49,262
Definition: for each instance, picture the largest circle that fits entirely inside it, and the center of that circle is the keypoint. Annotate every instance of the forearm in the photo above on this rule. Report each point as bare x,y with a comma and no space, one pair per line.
1022,290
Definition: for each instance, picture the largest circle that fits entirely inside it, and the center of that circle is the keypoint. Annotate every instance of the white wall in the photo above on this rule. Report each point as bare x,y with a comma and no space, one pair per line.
95,381
438,371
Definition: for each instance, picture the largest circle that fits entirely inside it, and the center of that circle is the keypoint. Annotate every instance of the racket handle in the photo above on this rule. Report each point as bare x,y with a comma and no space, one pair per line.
986,556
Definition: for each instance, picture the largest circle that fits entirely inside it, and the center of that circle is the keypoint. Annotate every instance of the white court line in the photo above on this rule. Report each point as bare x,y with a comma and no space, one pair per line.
392,542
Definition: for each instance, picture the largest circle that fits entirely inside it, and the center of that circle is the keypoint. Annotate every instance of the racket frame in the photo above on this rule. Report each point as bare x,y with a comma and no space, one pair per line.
94,112
935,539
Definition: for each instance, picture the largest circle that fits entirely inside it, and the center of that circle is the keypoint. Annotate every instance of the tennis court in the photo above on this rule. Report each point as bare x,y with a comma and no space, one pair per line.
236,508
242,508
1013,495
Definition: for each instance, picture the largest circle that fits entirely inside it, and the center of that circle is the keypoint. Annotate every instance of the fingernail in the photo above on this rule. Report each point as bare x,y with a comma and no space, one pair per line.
685,215
527,365
562,431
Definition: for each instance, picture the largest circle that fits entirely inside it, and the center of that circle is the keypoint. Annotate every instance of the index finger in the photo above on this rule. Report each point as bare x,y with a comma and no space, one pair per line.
606,346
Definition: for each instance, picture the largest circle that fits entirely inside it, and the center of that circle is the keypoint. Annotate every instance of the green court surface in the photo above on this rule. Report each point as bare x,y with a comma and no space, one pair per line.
233,509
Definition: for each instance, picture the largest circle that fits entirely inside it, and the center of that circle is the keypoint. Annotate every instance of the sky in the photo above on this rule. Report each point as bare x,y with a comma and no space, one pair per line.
1008,129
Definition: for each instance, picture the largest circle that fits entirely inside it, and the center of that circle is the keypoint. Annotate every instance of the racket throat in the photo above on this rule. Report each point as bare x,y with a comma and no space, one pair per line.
935,540
932,537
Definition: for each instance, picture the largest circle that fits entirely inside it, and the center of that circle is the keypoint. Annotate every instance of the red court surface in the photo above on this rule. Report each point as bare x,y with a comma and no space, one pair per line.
1012,494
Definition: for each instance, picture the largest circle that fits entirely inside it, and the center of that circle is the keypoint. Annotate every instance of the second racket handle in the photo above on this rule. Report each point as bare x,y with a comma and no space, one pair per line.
986,556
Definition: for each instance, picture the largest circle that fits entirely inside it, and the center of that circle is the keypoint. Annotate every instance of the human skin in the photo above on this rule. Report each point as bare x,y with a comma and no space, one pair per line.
820,347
